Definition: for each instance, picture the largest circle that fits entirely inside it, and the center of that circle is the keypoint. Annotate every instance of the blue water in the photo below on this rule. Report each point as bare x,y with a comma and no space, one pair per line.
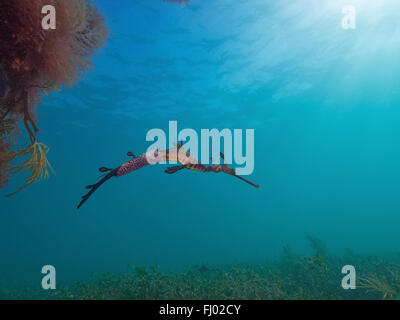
324,103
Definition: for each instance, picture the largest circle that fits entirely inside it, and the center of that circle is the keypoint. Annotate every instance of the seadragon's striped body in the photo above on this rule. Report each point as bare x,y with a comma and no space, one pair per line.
132,165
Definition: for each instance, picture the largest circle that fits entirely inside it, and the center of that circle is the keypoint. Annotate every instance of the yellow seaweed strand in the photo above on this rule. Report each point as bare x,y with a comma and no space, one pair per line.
373,284
37,163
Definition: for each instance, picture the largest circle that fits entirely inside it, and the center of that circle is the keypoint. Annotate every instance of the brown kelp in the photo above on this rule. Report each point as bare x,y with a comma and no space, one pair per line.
35,61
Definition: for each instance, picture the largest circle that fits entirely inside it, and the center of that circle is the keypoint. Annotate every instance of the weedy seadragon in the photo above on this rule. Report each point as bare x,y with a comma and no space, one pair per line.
177,154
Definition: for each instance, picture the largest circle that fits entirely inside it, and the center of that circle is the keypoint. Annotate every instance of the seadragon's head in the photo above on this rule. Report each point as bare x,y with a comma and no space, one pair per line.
176,154
180,154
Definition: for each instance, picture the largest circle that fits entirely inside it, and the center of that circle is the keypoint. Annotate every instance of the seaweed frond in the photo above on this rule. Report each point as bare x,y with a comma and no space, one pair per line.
380,286
37,163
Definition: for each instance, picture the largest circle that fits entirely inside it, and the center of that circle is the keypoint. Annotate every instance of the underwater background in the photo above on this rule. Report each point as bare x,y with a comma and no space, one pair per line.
324,103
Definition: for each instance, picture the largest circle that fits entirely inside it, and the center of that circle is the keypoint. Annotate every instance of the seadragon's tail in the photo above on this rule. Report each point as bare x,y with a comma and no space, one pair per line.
124,169
94,187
